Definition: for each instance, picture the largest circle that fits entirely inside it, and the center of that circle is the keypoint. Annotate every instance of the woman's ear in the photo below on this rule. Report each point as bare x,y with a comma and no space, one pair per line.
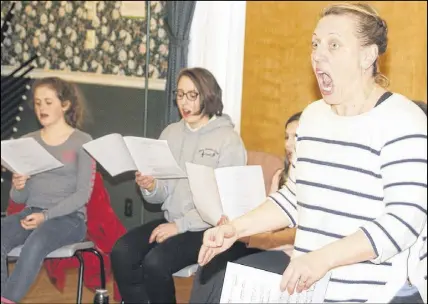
66,106
369,56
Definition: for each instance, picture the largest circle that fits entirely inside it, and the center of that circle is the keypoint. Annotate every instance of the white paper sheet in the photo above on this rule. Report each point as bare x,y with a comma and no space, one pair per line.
119,154
26,156
111,152
241,189
153,157
232,191
243,284
205,194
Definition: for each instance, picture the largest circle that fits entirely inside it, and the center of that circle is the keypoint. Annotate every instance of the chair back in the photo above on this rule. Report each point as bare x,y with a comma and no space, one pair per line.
270,164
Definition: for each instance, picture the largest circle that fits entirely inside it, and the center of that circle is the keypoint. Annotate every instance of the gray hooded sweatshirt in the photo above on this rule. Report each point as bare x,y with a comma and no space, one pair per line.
215,145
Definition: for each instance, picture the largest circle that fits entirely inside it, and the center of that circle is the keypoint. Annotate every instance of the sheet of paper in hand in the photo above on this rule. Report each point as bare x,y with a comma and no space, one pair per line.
27,157
244,284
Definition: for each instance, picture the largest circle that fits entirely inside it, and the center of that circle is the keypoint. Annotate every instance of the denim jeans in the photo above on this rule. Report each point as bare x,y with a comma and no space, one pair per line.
38,243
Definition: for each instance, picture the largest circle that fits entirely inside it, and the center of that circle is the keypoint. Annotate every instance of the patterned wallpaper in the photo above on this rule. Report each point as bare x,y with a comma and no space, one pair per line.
57,30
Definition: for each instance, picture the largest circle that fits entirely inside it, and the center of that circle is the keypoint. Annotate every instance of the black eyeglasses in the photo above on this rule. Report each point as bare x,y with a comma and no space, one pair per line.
191,95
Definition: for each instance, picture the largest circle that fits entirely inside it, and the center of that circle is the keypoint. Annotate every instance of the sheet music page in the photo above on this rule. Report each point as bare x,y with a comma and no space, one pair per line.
241,189
204,191
153,157
26,156
111,152
5,165
244,284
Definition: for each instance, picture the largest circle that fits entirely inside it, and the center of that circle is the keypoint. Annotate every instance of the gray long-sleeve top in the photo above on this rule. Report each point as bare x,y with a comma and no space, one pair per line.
215,145
64,190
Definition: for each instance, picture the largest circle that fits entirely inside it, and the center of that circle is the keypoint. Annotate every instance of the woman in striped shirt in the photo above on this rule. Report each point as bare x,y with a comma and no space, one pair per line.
357,191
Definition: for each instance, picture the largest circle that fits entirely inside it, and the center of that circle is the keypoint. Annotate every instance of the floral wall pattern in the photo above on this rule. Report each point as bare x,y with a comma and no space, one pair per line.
57,31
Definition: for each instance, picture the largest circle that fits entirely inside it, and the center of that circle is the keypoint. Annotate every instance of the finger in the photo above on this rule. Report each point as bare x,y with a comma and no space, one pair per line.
146,178
29,218
20,180
32,226
221,221
211,254
291,286
139,181
209,238
202,253
160,236
25,226
137,173
286,276
208,256
219,238
153,236
165,237
309,282
301,283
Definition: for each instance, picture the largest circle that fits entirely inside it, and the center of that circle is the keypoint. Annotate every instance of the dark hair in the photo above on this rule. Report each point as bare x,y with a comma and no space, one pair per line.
66,92
284,174
371,29
421,105
294,117
208,88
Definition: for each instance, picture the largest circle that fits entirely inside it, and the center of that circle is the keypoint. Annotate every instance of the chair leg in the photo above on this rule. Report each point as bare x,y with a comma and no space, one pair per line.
78,255
102,269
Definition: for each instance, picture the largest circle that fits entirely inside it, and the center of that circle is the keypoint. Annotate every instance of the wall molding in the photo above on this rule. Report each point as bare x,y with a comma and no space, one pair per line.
93,78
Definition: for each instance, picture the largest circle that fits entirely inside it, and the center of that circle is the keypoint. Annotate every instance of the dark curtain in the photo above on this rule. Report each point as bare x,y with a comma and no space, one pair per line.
178,21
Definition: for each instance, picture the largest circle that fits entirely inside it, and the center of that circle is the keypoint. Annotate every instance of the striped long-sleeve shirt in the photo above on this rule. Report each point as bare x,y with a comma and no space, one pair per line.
366,172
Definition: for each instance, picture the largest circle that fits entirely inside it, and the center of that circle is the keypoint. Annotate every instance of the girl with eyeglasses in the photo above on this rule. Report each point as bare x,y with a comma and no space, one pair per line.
145,258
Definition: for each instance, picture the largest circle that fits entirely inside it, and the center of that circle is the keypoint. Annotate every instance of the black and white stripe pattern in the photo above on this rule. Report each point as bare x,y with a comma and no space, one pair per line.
367,172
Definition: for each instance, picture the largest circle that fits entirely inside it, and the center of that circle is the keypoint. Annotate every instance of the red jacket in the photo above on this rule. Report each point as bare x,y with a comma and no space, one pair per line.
104,228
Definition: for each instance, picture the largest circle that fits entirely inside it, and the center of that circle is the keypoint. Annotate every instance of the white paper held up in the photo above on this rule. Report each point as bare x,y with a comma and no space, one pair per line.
118,154
26,156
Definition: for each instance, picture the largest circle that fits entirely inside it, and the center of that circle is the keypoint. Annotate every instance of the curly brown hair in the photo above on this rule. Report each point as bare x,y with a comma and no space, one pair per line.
66,92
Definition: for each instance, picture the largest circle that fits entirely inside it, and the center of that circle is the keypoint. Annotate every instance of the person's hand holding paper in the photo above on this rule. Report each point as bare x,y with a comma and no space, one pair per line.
19,180
146,182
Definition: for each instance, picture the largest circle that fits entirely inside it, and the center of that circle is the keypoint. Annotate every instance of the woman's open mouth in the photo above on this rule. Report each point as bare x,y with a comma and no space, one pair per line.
325,82
186,113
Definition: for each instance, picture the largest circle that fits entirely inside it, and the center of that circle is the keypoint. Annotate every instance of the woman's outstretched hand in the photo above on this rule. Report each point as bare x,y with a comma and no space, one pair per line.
216,240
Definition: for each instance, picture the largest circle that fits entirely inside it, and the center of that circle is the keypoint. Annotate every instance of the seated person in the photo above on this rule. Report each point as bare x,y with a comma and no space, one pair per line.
55,212
146,257
205,291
